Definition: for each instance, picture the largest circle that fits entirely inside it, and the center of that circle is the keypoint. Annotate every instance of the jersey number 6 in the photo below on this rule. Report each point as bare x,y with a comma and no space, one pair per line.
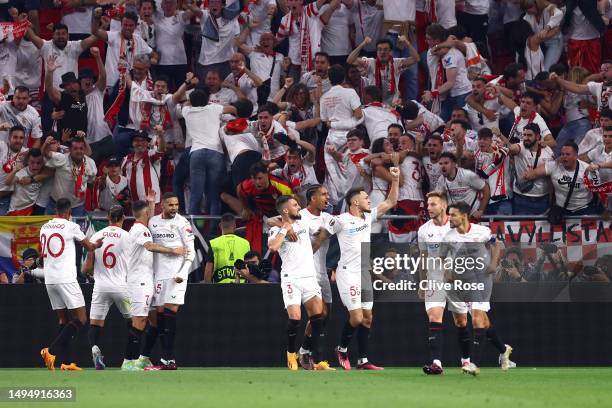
108,258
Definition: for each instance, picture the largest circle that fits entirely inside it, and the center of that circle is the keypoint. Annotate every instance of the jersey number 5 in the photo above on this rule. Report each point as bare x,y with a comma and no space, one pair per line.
45,245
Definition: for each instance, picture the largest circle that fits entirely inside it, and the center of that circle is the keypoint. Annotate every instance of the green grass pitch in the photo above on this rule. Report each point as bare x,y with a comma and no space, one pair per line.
275,387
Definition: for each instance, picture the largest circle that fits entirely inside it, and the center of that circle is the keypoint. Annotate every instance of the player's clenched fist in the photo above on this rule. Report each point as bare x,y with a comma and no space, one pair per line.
395,173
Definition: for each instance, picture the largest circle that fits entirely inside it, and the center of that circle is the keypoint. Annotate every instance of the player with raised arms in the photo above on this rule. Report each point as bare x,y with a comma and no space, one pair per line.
171,230
464,239
108,264
354,228
298,277
57,238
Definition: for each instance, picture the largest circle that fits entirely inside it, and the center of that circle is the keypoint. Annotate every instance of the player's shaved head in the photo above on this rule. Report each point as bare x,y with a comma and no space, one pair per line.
228,222
63,206
116,214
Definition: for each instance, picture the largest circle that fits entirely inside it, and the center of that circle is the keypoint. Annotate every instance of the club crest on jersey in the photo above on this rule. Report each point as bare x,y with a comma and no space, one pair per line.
447,60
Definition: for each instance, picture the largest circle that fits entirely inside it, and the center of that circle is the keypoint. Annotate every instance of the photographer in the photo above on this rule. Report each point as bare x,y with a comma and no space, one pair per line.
512,267
558,269
253,269
30,268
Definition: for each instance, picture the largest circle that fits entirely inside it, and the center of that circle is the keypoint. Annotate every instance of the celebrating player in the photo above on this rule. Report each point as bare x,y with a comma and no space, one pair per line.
57,246
140,281
173,231
353,229
109,267
298,278
473,235
317,198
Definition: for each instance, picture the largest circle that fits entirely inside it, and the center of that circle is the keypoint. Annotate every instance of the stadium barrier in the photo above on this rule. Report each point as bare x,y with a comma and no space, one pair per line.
244,326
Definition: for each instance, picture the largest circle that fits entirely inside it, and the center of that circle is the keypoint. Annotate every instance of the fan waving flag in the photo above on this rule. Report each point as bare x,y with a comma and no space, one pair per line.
13,31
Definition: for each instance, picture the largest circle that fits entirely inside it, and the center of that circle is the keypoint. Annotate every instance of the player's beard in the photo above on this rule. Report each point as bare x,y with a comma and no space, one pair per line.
530,145
295,217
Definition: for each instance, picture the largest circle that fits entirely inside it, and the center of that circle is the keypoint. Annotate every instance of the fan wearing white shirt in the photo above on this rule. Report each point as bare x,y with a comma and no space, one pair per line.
298,278
123,45
170,26
377,117
221,93
57,239
384,71
266,63
341,109
335,38
450,85
244,79
219,28
530,198
461,184
562,174
99,135
484,97
477,239
526,113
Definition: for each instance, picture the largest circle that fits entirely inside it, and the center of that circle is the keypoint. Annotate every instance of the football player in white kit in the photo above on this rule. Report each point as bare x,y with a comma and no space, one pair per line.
466,233
298,277
317,198
108,264
58,251
430,237
353,228
172,230
140,280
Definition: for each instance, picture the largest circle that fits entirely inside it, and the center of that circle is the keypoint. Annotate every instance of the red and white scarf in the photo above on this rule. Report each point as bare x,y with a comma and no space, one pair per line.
146,174
123,66
78,173
13,31
146,110
516,122
390,68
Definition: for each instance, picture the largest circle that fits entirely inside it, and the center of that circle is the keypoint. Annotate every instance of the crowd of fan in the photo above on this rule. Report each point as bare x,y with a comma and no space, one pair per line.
233,103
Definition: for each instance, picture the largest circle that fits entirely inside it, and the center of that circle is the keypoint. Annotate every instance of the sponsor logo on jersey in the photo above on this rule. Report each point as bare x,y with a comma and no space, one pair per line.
163,236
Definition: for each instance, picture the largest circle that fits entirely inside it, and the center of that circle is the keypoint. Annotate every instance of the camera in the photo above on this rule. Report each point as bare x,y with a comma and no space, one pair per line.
549,248
261,271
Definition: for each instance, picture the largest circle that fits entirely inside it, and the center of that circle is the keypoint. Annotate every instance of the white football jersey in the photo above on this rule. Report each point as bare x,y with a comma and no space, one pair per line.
297,256
315,223
57,243
412,187
351,231
111,259
464,187
140,260
470,245
171,233
432,170
430,238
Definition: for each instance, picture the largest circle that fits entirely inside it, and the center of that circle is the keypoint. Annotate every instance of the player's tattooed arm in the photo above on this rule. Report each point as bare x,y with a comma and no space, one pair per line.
88,265
391,199
91,246
160,249
321,236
